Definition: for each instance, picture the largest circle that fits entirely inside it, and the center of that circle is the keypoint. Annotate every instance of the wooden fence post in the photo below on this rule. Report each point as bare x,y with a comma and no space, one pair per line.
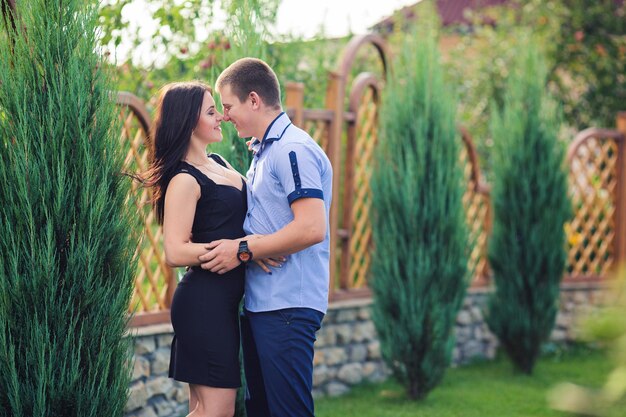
620,203
334,102
294,99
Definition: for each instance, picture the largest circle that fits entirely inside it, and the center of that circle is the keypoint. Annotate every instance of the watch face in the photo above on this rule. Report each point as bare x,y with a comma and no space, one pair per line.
244,256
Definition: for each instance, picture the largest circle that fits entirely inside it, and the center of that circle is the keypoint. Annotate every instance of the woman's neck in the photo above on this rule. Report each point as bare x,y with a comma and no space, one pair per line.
196,155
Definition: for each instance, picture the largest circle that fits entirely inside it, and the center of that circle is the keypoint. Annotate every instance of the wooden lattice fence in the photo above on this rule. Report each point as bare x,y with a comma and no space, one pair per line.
597,231
476,201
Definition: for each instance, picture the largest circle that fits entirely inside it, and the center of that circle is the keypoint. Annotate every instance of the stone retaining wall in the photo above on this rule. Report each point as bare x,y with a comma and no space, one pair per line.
347,351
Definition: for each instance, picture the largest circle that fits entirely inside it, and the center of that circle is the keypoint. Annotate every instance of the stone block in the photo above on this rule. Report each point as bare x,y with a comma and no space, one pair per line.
581,297
456,354
346,315
319,357
364,313
161,361
490,350
163,407
320,375
181,410
159,385
477,333
141,367
488,337
144,412
317,393
373,350
563,320
464,318
477,314
181,394
344,333
333,356
137,397
165,340
351,373
326,337
473,349
144,345
558,335
364,331
368,369
335,389
374,371
330,318
358,353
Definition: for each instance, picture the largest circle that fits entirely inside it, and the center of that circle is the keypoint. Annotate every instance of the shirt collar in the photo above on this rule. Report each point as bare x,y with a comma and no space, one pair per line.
274,132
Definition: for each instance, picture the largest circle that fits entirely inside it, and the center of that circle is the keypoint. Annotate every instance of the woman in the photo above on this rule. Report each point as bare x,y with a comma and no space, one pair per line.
199,198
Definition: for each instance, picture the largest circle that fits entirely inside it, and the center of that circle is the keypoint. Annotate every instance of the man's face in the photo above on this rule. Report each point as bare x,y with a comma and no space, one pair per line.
237,112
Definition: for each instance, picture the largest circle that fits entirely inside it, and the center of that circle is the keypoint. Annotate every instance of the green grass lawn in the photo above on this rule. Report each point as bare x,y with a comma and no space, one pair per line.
486,389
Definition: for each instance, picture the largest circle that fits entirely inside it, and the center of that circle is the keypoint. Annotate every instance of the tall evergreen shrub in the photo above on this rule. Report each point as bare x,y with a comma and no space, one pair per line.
67,241
420,259
530,206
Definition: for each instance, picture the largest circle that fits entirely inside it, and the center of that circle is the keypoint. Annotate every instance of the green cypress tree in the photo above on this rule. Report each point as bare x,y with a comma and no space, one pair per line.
66,252
530,206
419,265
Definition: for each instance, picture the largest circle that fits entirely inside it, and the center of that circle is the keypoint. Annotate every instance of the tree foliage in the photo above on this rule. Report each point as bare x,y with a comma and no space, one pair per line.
419,265
530,206
585,47
66,253
590,62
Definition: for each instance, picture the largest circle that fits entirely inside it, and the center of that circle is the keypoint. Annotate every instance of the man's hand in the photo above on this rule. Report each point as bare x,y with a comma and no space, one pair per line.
222,256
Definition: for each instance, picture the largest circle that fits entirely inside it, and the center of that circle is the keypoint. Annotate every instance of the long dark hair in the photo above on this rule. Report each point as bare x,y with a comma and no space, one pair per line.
177,113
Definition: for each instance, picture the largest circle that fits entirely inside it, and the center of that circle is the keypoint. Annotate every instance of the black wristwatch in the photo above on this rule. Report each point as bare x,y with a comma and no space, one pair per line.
244,254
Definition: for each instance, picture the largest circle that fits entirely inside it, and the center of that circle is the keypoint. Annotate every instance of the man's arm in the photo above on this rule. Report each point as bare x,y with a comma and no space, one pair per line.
306,229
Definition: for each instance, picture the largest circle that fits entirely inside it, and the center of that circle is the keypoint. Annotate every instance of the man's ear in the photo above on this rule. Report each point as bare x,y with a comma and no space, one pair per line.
255,100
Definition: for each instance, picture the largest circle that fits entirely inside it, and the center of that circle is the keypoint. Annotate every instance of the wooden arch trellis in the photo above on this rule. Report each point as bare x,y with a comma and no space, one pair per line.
340,131
348,131
154,280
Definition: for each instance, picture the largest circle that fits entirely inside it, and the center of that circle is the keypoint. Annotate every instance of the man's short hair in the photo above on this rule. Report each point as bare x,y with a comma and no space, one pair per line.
251,74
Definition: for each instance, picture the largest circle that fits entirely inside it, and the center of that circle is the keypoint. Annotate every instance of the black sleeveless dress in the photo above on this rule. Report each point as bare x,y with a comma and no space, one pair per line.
204,311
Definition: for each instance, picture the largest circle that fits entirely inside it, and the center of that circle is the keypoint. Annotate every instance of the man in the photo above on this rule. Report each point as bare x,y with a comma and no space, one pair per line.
289,196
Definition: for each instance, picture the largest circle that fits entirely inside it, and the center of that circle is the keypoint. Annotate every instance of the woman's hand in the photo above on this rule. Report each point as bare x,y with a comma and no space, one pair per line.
265,263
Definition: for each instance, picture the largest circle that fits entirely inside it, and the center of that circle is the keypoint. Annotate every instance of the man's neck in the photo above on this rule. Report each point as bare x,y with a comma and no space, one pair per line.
265,122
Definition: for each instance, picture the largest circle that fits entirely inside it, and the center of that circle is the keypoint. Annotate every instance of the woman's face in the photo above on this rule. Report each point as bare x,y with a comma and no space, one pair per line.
208,128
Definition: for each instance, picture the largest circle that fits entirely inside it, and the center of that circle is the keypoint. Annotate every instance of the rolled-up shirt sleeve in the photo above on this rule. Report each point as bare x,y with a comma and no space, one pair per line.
299,171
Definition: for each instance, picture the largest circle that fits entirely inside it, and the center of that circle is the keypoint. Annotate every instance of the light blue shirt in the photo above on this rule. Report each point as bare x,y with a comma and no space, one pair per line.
287,165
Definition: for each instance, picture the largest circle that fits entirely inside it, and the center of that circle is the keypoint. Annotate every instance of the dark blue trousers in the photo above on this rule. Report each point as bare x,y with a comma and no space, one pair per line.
278,361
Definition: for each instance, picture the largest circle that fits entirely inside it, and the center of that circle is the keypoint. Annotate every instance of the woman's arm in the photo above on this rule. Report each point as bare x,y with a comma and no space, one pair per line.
181,198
